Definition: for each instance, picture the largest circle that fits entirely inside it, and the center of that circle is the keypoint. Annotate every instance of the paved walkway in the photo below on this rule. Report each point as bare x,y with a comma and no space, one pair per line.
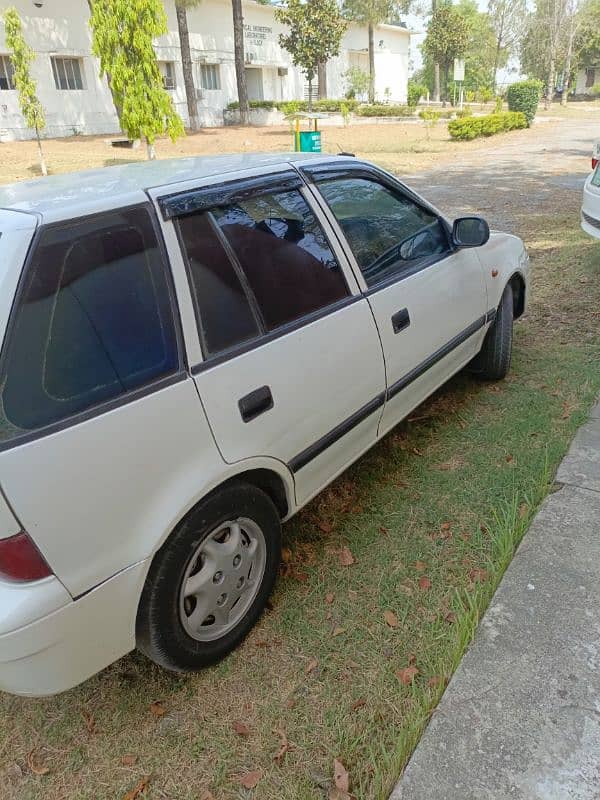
521,716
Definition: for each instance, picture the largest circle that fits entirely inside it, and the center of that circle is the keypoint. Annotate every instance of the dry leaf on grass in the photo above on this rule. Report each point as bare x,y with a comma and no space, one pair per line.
90,722
391,619
477,575
450,617
326,527
284,746
138,789
523,509
250,779
128,760
157,709
420,566
346,557
37,769
240,728
424,583
329,598
341,778
205,794
359,703
286,555
407,675
312,665
338,631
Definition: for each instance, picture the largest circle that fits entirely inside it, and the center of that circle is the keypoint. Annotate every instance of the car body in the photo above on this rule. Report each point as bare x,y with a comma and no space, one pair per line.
595,153
176,329
590,207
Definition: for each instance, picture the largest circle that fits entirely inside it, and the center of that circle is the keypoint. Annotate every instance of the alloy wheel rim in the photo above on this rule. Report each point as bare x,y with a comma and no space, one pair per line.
222,579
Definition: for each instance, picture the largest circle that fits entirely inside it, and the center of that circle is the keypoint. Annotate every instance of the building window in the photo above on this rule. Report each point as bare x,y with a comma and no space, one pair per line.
590,77
67,73
167,70
209,76
7,73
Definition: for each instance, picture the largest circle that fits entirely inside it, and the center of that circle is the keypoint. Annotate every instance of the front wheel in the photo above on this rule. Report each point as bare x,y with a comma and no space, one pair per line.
493,360
210,581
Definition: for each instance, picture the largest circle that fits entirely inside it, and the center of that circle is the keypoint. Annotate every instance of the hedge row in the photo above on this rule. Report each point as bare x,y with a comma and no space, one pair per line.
291,106
472,127
382,110
524,96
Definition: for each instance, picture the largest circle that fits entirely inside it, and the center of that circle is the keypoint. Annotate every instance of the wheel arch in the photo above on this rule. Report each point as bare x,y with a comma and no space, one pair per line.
518,286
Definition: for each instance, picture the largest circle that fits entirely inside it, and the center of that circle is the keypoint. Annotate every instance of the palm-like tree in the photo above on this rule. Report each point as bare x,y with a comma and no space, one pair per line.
370,13
181,7
240,62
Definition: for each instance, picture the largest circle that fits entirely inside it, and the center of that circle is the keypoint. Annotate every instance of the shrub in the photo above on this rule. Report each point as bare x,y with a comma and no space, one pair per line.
463,112
380,110
472,127
498,108
415,92
524,96
292,106
485,94
268,104
429,114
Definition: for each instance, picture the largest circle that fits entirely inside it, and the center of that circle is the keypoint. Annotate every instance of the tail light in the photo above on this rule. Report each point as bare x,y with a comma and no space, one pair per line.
594,163
20,560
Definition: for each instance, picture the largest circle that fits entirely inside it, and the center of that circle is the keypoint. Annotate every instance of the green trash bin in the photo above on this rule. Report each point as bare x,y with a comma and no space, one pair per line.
310,141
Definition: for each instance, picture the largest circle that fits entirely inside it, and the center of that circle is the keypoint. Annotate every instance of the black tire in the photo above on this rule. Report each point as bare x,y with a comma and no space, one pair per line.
493,361
160,631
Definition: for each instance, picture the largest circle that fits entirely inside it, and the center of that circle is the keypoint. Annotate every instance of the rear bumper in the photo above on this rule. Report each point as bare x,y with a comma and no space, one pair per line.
590,224
73,641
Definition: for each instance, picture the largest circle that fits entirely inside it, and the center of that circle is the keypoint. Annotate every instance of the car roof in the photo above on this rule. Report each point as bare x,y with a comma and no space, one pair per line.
68,193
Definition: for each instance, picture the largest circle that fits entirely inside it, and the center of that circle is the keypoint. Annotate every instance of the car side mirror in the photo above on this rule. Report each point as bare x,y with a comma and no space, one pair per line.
470,232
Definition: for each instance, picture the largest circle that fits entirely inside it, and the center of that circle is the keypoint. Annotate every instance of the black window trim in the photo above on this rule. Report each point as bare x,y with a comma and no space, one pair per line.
224,195
180,373
313,174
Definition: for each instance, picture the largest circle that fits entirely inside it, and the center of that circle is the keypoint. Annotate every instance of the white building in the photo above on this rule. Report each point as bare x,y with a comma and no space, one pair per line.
77,100
587,78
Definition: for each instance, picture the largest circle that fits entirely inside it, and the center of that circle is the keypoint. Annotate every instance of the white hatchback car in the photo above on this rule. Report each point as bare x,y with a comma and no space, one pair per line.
590,208
192,349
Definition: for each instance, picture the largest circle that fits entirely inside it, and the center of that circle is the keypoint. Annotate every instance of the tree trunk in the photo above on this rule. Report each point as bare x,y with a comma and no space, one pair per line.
41,152
436,66
496,62
310,93
188,67
322,73
240,62
446,81
150,151
568,60
550,85
371,63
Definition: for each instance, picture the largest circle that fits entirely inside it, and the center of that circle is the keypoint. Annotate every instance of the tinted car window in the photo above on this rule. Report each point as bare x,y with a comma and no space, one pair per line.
284,255
223,309
387,232
93,322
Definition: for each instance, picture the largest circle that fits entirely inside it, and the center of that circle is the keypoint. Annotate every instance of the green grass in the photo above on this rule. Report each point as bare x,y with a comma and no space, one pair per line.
447,495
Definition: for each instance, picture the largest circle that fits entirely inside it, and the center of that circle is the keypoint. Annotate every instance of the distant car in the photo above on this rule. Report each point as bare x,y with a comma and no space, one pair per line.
595,154
192,350
590,208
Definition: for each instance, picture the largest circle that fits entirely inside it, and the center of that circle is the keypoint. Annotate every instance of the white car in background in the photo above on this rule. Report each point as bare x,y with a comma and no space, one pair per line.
590,208
192,349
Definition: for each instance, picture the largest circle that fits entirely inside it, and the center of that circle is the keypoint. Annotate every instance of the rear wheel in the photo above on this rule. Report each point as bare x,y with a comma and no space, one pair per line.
210,581
493,360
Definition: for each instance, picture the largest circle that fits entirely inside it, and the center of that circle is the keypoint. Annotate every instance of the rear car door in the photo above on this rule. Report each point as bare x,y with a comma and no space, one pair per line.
292,366
429,300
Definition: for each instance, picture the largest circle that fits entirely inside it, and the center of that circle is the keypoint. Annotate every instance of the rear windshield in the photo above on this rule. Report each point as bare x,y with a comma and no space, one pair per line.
94,321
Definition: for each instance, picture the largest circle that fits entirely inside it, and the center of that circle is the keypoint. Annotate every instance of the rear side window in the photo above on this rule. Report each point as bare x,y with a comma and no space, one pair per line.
256,265
94,321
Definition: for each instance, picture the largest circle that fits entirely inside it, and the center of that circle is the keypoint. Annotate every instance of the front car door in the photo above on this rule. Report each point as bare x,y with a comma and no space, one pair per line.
428,299
291,366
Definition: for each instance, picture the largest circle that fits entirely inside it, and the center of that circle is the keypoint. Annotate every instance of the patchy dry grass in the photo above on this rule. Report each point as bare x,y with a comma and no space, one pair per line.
431,516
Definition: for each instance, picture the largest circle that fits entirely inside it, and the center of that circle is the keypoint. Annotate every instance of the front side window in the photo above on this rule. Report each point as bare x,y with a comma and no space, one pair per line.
94,321
67,73
388,232
209,76
7,73
256,265
167,71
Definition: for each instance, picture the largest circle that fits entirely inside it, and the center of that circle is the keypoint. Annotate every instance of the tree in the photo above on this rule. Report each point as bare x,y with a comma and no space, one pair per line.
181,7
586,47
481,56
122,34
507,18
447,38
240,61
22,56
315,34
370,13
544,45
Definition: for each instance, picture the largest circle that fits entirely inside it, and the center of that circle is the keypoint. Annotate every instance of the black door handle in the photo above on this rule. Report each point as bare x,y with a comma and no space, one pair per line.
256,403
400,320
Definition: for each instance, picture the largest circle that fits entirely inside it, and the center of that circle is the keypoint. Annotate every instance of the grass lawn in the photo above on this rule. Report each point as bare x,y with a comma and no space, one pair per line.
350,659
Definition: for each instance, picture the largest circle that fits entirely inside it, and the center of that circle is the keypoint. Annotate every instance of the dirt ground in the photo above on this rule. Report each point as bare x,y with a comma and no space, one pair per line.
403,148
